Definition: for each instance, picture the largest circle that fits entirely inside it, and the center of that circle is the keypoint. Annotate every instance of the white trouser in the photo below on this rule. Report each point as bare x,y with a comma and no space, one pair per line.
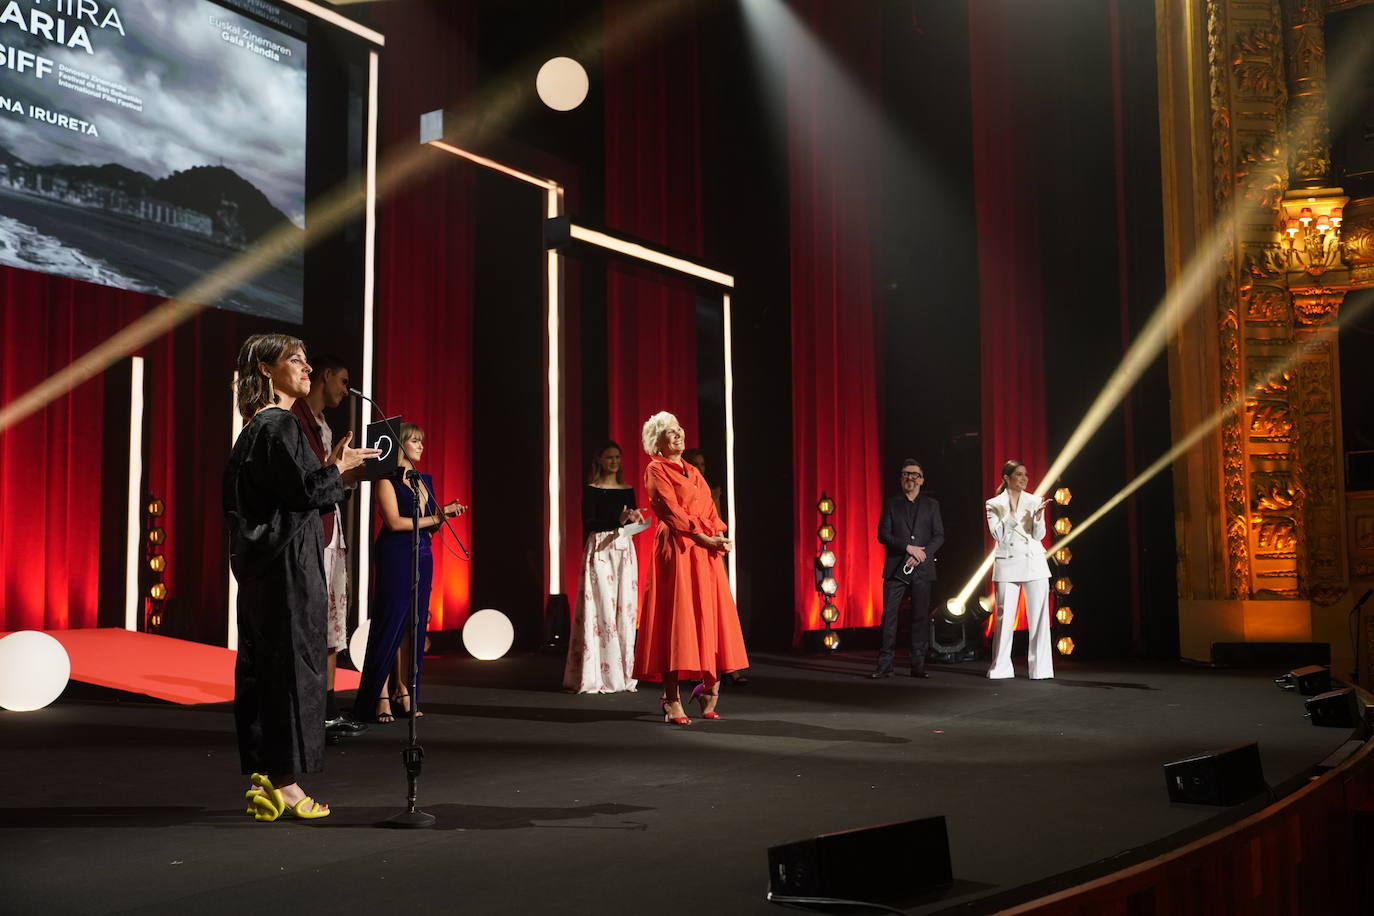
1039,652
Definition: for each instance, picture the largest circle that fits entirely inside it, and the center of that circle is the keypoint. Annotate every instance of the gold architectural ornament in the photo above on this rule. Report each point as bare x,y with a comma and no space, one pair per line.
1276,533
1314,308
1266,305
1357,233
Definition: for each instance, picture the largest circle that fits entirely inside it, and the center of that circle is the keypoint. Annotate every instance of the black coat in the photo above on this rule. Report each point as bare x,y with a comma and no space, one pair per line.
928,532
274,491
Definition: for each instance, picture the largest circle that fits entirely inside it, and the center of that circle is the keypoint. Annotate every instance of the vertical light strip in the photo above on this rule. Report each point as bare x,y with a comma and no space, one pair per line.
554,346
730,518
134,547
361,541
235,427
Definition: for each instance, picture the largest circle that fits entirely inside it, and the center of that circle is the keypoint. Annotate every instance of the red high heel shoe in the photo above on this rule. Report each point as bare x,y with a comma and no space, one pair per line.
700,695
663,703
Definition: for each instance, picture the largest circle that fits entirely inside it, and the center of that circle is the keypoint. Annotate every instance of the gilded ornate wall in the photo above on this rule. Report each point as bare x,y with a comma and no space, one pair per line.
1263,543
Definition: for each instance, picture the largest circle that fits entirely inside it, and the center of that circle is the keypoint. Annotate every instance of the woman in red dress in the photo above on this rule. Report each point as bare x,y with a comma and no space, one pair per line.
688,625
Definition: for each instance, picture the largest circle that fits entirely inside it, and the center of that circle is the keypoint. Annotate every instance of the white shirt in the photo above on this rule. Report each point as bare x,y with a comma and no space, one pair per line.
327,437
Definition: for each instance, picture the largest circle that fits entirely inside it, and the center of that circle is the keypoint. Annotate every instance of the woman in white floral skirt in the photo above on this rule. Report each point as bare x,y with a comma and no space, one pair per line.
601,650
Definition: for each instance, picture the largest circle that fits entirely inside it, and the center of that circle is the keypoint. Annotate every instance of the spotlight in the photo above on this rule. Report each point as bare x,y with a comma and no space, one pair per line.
1062,496
562,83
156,507
1064,615
1062,526
825,571
158,592
156,536
985,604
1065,645
955,608
157,563
1062,556
1063,585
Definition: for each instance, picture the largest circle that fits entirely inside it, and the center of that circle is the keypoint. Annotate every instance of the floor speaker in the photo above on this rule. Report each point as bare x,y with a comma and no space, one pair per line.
1308,681
1226,777
1335,708
886,862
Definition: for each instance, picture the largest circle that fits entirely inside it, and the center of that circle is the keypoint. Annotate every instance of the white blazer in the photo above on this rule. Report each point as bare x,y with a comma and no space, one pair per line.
1020,555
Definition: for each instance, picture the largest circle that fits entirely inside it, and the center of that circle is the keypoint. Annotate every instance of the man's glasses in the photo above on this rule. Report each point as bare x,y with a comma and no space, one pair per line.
914,474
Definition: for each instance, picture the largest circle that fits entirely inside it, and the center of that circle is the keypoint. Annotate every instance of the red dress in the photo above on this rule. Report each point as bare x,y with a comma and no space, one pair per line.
687,622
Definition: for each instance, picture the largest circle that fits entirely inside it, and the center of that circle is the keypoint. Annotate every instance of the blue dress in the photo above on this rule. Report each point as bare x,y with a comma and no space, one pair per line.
391,601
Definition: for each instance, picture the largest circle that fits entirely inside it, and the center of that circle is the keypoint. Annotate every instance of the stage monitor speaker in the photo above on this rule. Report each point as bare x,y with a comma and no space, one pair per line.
886,862
1335,708
1308,681
1226,777
1250,654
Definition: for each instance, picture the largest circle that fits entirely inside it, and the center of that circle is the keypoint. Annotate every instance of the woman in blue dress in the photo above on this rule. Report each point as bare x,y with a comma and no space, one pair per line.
391,653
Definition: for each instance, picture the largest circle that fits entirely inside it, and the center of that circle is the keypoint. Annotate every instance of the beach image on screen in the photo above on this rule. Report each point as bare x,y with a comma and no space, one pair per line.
144,143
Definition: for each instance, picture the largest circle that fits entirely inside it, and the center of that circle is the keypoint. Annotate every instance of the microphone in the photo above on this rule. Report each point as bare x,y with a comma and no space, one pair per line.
375,405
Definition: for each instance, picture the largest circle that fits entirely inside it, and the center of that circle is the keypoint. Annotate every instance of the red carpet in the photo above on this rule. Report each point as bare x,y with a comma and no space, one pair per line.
169,669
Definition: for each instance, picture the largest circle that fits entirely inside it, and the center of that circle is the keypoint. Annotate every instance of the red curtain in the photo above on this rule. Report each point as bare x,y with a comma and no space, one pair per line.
653,192
425,269
834,356
50,480
1013,377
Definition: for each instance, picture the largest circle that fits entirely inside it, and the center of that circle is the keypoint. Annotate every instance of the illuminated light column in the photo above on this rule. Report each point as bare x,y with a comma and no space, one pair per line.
554,396
134,504
360,537
235,427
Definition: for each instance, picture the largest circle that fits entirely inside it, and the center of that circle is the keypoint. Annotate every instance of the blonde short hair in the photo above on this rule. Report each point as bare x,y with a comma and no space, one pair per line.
653,430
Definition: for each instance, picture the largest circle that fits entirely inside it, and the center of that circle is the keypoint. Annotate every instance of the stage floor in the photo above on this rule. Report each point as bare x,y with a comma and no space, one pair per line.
550,802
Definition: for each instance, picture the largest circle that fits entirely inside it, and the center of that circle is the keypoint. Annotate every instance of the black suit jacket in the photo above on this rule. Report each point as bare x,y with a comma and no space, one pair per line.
928,533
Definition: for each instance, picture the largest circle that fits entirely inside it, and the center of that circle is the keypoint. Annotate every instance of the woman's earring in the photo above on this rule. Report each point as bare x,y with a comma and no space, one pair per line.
271,392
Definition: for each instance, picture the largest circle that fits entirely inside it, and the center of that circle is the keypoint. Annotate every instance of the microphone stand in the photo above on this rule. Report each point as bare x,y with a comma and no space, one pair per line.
413,755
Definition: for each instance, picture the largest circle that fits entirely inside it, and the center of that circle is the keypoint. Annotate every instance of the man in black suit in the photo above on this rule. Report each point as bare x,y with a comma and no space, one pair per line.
911,531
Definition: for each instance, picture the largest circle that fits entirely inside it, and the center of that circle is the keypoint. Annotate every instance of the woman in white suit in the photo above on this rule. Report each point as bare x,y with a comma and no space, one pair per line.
1017,522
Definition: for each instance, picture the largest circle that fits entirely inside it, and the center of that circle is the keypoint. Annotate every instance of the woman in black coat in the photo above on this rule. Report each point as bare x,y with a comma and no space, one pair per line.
274,492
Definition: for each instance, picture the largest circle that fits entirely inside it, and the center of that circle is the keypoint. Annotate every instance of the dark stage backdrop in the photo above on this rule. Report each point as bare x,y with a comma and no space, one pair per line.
832,158
424,303
653,191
